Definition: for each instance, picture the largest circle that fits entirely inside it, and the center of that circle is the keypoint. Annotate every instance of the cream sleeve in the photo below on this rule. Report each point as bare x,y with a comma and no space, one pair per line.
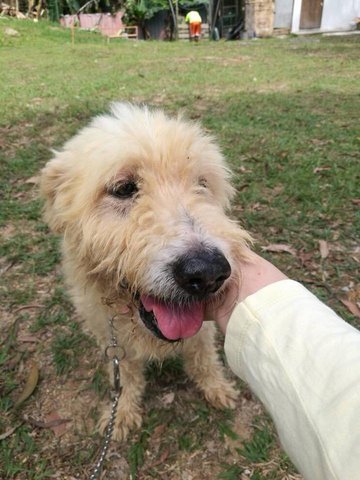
303,363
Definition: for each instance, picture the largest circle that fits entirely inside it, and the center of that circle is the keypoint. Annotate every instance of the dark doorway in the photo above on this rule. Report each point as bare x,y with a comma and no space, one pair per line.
226,15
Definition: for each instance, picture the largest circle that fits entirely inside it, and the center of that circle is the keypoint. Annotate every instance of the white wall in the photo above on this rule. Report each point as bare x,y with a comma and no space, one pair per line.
283,13
337,15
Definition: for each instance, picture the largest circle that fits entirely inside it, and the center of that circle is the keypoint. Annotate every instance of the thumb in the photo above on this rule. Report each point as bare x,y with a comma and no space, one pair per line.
220,311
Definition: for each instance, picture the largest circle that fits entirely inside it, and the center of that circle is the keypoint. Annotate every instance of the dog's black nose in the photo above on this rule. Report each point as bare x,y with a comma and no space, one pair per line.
201,272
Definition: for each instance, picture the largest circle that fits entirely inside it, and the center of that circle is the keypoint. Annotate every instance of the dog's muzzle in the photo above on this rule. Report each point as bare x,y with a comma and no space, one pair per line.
201,273
198,275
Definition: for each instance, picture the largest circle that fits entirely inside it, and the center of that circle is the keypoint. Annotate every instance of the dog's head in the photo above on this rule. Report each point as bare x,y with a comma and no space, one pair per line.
139,199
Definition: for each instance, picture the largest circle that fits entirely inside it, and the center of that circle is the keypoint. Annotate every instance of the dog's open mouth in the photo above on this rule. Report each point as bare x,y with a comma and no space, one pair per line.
171,322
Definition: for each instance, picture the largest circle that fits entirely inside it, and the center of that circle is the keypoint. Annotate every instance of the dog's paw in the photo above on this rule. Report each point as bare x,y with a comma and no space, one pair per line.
125,420
104,421
222,395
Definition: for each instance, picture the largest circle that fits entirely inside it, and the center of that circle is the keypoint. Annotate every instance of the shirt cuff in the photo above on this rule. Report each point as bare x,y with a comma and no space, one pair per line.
253,310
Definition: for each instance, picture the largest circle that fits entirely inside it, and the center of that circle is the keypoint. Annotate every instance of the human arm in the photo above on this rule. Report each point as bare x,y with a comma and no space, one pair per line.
303,363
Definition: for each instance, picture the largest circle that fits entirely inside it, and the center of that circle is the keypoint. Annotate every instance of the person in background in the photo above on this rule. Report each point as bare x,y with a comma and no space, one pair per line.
302,361
194,20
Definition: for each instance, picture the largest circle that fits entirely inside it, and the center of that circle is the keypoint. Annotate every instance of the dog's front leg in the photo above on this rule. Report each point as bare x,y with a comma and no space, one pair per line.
128,414
204,367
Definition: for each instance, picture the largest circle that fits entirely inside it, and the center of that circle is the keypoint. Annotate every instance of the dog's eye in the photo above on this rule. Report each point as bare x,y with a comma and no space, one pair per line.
203,182
124,190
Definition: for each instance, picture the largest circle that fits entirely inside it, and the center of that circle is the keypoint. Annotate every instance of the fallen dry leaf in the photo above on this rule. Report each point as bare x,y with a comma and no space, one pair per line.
30,385
52,421
26,338
317,141
354,293
25,307
279,248
351,306
9,432
255,207
321,169
324,248
56,423
277,190
33,180
164,455
14,361
5,266
168,398
306,258
243,169
158,431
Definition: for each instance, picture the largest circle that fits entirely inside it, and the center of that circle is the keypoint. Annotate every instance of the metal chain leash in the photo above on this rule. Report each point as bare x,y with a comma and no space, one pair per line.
110,354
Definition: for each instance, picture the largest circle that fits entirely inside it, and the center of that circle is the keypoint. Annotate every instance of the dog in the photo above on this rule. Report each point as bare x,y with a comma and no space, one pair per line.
140,199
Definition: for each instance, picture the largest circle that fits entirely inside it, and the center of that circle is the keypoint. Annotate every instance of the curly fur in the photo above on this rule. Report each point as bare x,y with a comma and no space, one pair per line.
115,248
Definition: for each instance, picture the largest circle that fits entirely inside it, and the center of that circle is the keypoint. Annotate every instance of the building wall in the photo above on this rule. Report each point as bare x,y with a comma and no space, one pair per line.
283,13
107,24
259,18
336,15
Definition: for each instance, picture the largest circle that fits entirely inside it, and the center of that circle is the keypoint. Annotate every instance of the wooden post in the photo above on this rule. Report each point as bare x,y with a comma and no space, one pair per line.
174,18
72,32
177,19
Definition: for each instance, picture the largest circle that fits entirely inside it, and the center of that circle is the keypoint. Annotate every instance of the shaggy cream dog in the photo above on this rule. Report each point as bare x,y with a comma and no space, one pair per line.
139,200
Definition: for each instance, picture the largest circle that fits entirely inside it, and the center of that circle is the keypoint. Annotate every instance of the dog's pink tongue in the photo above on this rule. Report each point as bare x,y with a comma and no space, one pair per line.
175,322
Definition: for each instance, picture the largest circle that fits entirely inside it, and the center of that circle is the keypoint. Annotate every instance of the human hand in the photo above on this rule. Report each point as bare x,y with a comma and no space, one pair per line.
254,274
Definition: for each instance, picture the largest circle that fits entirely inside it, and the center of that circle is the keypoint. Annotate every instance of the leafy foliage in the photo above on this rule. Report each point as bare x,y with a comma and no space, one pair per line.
54,10
138,11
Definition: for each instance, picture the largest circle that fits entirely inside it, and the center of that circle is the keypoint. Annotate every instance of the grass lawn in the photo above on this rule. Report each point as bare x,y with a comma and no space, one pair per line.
286,113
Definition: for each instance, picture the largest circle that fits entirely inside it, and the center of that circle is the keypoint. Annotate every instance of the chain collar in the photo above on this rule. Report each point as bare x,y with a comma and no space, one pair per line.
113,353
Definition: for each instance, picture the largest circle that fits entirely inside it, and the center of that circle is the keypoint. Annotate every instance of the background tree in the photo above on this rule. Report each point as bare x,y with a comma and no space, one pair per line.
137,12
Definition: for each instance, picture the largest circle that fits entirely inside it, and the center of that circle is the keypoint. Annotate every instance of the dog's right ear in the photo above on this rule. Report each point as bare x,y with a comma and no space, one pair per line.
55,189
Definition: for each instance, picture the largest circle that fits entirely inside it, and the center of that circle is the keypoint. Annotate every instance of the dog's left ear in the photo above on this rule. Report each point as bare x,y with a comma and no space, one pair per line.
55,188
